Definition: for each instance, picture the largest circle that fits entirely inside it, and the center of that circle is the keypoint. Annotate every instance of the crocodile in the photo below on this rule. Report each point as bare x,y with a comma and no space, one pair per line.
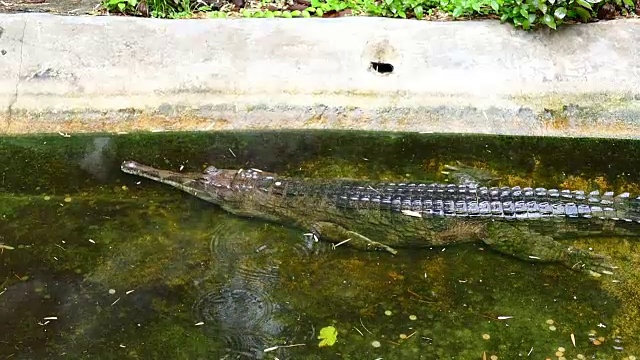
526,223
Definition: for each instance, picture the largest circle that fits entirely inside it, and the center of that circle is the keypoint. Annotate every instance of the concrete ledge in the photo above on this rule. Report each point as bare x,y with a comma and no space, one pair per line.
112,74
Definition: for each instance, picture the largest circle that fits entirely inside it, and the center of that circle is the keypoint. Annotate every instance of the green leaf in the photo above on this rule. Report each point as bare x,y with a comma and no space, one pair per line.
549,21
594,1
585,4
560,13
258,14
305,14
552,2
475,6
543,8
504,18
315,3
494,5
121,6
629,3
287,14
296,13
269,14
524,13
532,18
133,3
310,10
319,12
419,11
277,13
328,335
584,14
457,11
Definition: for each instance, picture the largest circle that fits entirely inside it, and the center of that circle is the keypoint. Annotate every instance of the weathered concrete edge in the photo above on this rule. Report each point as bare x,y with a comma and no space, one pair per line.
55,106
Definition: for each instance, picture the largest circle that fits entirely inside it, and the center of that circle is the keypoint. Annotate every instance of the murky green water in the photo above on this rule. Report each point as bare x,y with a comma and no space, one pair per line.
109,266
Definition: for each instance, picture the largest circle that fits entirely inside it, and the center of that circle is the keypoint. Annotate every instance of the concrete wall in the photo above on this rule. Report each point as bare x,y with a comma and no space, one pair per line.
119,74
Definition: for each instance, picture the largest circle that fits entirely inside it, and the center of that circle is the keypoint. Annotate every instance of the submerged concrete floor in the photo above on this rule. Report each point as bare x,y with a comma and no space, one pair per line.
114,74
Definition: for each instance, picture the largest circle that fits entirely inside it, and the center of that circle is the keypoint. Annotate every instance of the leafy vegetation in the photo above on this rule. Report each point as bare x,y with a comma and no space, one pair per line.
525,14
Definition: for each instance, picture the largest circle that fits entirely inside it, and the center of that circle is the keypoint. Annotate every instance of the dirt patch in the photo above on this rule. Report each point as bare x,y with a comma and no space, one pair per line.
60,7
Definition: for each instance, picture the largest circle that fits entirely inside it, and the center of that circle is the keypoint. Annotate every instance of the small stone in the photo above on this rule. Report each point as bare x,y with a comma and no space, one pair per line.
67,199
486,336
413,317
388,312
549,322
561,349
375,343
552,328
112,291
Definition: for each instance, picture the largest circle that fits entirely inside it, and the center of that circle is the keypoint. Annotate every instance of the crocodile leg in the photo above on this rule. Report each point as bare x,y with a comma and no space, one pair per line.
338,234
531,246
463,174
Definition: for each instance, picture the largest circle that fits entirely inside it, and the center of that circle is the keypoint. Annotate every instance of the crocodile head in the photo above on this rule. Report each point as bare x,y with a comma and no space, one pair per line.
213,185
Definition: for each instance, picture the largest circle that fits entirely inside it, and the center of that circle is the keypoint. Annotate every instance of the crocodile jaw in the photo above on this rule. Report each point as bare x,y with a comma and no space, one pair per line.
192,183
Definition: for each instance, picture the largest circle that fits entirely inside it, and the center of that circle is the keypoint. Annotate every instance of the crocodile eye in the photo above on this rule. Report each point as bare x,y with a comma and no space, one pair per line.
211,170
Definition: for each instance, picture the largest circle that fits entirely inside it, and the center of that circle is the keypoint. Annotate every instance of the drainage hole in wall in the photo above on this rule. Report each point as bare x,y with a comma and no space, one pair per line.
381,68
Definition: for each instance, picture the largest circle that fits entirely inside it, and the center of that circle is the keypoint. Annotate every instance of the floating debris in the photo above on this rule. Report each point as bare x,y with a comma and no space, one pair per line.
200,323
403,336
559,354
91,241
129,292
573,340
552,328
580,356
486,336
51,318
67,199
505,317
47,197
388,312
376,344
561,349
494,357
6,247
112,291
549,322
413,317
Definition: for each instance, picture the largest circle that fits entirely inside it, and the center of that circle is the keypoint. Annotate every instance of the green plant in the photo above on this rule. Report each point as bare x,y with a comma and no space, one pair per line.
551,13
122,6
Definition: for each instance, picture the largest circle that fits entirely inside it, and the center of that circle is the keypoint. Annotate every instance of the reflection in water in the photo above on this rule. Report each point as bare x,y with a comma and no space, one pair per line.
96,159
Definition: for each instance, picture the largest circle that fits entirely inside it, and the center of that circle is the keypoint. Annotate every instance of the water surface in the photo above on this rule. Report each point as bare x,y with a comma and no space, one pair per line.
99,264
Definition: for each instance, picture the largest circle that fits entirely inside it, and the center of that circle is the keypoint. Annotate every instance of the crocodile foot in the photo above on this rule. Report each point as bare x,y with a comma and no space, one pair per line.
583,260
464,174
519,242
338,235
